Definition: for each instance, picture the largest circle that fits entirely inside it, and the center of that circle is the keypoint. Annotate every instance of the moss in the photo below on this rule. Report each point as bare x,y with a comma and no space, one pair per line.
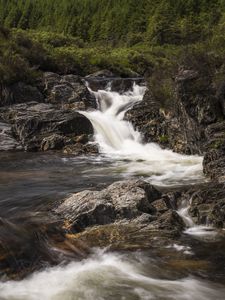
163,139
217,144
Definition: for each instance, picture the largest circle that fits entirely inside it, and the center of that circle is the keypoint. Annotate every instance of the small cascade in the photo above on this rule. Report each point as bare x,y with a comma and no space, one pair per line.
119,140
191,227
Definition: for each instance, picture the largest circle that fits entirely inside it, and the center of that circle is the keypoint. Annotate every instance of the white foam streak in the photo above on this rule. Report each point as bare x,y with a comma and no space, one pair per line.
118,140
105,277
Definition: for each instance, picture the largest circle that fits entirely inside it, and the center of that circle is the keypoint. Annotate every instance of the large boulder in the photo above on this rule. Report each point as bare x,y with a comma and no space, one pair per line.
130,202
40,126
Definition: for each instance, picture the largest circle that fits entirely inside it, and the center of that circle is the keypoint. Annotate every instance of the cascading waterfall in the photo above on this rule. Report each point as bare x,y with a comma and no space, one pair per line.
120,141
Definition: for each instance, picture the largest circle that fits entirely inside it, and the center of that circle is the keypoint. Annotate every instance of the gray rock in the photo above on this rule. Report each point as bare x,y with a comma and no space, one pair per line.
67,90
121,201
180,124
208,204
7,141
37,125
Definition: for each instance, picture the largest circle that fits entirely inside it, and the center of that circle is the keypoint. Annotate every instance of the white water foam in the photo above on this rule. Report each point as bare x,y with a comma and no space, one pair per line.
106,277
120,141
201,231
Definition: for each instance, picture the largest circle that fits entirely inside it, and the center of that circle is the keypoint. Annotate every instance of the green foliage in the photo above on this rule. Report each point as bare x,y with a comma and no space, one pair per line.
163,139
151,37
118,21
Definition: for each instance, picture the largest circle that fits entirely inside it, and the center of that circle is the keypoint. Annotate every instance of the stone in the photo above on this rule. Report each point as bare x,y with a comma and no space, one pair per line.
68,90
124,200
52,142
81,149
33,123
7,141
208,204
19,93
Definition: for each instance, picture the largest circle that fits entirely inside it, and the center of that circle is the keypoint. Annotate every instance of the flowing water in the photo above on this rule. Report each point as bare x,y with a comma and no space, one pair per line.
119,141
191,268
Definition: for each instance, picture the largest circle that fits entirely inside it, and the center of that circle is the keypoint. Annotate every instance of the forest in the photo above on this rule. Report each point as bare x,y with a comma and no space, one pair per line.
127,37
117,21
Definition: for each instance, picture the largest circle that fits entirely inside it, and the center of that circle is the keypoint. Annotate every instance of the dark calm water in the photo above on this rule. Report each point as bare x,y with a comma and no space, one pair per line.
29,180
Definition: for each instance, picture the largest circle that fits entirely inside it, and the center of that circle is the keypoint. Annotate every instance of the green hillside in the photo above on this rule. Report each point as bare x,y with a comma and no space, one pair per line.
130,21
124,36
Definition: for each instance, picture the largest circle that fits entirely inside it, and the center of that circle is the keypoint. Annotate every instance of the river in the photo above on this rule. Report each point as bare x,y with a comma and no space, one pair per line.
191,268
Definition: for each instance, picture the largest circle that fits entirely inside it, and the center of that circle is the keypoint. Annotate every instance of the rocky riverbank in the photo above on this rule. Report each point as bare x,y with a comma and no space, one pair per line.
129,214
44,117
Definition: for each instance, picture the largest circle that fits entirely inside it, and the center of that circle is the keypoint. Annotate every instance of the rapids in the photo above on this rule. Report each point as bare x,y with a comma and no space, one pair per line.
119,141
111,277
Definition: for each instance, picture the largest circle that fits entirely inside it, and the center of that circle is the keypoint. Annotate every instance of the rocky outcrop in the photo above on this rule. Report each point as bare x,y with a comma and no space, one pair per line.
106,79
67,90
214,159
182,124
207,204
19,93
43,117
132,202
40,126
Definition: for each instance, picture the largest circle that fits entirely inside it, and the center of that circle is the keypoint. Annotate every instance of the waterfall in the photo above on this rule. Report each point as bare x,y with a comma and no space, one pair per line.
119,140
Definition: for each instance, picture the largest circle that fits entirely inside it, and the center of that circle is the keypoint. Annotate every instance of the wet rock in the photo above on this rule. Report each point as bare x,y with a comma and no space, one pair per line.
81,149
67,90
53,142
180,124
160,205
38,126
214,158
124,203
7,141
214,164
18,93
208,204
152,123
169,220
121,200
106,79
